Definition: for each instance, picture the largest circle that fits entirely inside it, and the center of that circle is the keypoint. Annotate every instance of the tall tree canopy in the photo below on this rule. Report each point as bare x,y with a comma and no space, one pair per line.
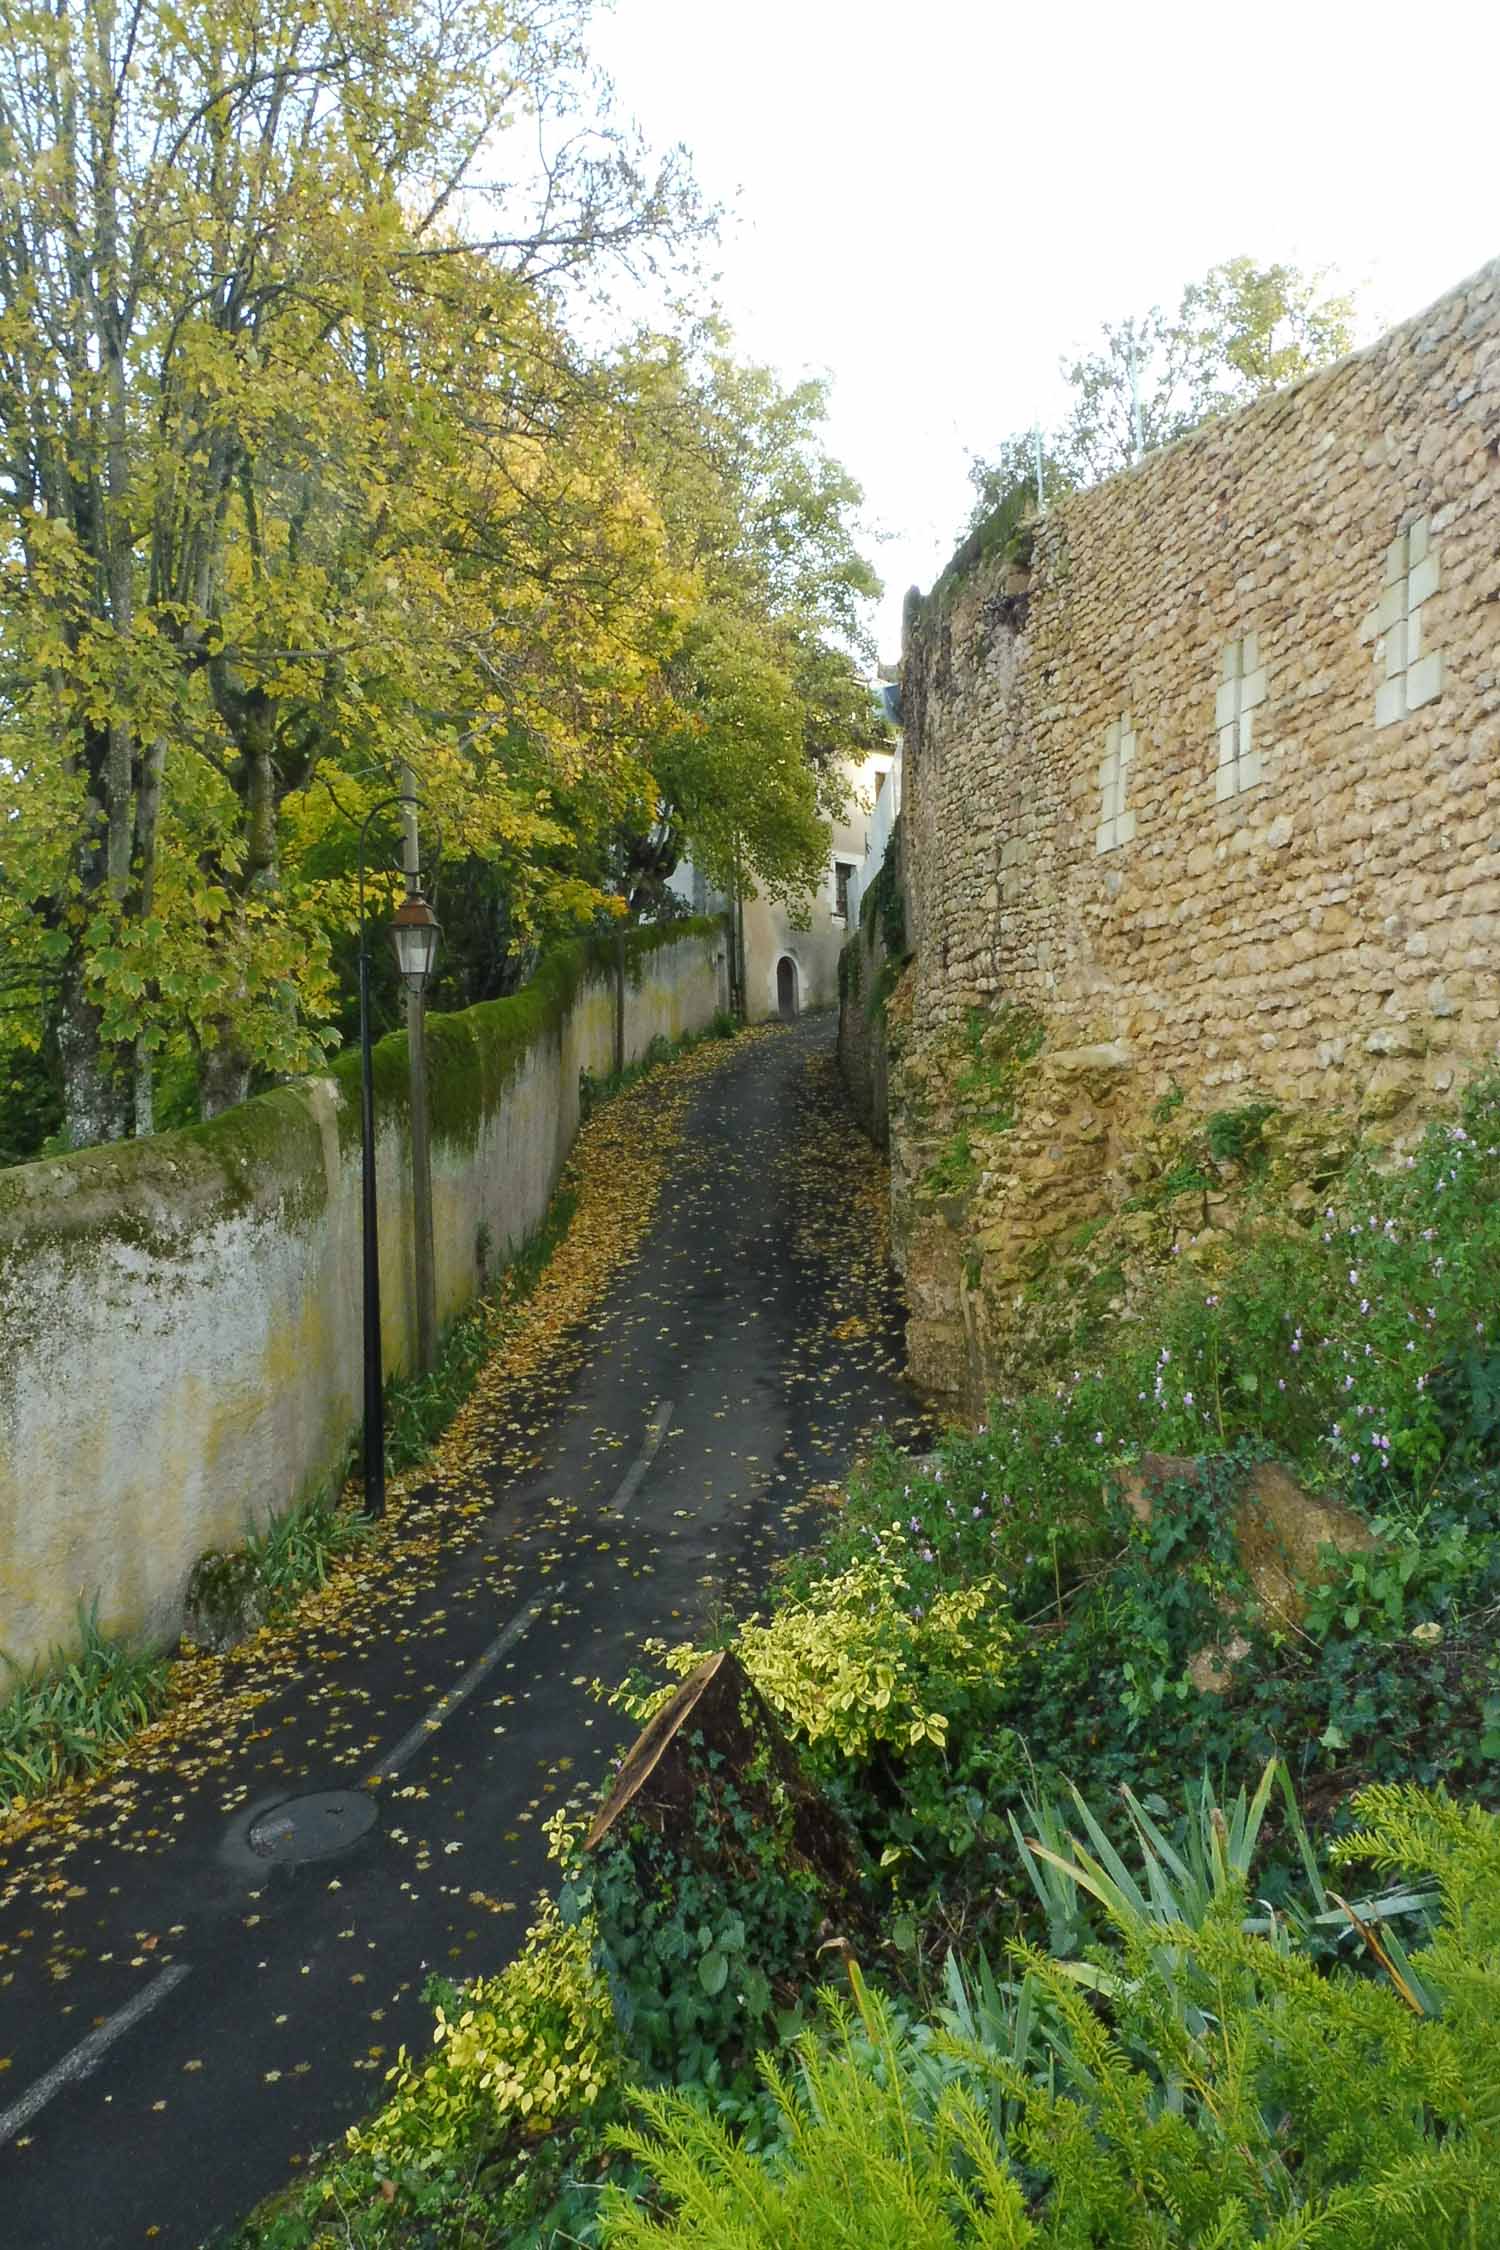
306,478
1242,330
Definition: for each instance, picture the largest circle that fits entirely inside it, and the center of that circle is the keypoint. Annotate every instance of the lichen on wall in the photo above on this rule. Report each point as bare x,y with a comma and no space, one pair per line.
180,1316
1212,787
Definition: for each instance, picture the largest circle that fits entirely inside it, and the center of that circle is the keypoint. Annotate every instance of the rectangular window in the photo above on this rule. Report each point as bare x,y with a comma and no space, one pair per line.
842,870
1240,693
1413,675
1116,816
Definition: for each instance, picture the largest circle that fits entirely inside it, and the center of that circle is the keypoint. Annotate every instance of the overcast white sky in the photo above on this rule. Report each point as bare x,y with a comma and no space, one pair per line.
934,201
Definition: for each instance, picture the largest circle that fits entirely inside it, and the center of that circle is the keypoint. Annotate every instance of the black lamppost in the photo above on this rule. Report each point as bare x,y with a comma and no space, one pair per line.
414,936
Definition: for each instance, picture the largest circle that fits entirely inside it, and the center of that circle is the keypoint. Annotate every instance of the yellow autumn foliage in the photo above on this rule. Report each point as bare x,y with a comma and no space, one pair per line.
522,2050
856,1663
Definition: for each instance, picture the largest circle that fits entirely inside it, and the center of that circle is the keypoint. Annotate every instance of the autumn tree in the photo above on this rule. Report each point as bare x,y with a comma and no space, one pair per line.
1242,330
280,410
764,695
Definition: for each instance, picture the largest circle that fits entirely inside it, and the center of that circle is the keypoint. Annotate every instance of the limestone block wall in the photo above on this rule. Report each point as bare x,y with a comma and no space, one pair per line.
1213,787
180,1317
1218,777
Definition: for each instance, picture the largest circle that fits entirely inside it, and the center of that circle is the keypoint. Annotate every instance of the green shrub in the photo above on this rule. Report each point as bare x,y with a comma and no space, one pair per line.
300,1548
513,2055
704,1938
490,2143
854,1663
1237,1136
1197,2084
954,1170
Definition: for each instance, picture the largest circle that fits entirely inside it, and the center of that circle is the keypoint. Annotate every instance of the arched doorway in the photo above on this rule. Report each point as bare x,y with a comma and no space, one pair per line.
786,987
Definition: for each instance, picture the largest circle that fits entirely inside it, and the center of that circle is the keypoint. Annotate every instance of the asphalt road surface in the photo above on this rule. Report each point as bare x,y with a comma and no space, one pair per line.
191,2003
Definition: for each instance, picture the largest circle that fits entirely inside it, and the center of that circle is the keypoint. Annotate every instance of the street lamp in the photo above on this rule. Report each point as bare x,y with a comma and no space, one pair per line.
414,937
414,940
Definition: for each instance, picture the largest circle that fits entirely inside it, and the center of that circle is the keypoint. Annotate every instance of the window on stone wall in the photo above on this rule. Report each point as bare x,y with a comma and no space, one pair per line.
1240,693
843,870
1411,674
1116,818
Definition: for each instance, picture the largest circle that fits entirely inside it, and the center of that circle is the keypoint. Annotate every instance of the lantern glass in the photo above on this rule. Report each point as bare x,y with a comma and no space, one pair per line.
414,937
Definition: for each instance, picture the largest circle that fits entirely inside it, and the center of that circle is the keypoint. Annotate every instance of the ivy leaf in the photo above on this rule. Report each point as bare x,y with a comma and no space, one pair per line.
713,1972
1334,1738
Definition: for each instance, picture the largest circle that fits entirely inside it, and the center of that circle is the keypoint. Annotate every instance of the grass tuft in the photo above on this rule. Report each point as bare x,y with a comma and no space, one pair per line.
300,1548
67,1716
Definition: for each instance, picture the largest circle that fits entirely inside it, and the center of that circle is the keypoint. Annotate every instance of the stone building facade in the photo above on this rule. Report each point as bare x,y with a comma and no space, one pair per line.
792,947
1213,784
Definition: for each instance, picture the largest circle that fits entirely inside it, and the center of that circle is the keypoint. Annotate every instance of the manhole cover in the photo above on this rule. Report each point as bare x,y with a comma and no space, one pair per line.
313,1827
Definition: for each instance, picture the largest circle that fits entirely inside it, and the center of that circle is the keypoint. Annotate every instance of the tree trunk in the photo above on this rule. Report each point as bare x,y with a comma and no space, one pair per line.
95,1075
718,1729
224,1070
226,1067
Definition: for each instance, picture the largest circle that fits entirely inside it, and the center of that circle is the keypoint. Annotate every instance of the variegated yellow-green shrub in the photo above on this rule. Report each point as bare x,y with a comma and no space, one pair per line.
855,1664
523,2050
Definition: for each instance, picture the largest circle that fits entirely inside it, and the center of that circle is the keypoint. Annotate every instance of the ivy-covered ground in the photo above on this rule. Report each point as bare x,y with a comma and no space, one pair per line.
1123,1959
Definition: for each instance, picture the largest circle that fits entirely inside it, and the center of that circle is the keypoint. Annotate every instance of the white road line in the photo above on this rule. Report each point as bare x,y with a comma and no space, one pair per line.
656,1430
89,2052
446,1705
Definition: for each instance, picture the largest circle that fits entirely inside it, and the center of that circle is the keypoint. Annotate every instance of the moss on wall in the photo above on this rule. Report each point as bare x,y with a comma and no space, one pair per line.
155,1194
268,1149
179,1315
472,1056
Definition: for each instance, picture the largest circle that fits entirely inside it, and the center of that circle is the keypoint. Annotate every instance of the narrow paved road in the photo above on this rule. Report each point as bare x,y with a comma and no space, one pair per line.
247,2006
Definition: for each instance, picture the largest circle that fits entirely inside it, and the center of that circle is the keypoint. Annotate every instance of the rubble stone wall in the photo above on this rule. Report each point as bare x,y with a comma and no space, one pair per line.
1213,783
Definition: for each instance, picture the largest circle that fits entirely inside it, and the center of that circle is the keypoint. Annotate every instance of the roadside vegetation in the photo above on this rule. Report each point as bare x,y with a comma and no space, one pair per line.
1049,1935
72,1714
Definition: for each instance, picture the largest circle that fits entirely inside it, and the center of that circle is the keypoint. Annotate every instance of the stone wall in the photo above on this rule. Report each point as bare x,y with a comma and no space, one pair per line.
1212,785
869,974
180,1317
862,1053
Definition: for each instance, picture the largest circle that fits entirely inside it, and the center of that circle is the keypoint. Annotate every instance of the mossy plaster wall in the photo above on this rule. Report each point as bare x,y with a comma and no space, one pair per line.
180,1317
